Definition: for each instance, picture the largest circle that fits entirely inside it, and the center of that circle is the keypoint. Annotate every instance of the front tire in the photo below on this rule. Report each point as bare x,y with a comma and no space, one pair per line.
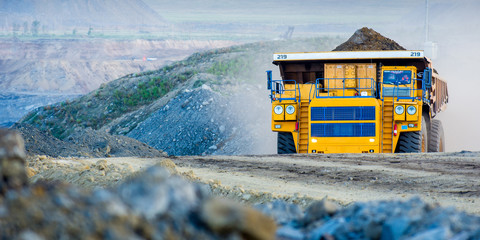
413,142
436,143
285,143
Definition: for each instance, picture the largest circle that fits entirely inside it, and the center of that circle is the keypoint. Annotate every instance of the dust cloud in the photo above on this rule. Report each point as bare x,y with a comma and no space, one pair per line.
455,28
253,109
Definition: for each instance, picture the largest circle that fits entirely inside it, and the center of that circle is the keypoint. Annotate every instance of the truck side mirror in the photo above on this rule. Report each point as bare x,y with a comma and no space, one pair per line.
269,79
427,77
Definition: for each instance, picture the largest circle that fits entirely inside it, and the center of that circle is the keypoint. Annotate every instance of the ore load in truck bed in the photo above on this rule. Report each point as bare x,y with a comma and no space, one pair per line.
366,39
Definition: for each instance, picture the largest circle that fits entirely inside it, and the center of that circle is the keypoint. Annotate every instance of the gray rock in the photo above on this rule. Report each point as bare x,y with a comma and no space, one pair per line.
412,219
289,232
223,216
283,213
373,230
394,228
433,234
320,210
12,161
329,228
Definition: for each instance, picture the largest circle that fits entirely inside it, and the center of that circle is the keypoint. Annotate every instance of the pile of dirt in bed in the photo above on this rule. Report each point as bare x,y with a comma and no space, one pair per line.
366,39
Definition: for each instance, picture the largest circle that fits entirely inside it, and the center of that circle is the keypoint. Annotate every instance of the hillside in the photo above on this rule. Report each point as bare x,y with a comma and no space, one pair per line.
37,72
138,104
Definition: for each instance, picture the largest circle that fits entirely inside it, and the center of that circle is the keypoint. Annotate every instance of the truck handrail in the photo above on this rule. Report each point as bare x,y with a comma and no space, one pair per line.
343,88
277,89
411,91
310,92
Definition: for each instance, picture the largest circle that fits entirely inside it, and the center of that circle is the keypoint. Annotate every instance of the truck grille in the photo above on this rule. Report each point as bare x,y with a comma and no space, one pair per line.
342,113
343,129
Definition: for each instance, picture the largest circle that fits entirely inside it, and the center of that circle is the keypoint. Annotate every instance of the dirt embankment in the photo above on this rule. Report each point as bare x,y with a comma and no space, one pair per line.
83,143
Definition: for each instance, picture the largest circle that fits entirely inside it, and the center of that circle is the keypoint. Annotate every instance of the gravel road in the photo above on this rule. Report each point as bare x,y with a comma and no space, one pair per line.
450,179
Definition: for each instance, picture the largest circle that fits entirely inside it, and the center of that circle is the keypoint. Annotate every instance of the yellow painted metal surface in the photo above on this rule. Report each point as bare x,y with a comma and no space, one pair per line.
346,144
284,126
356,77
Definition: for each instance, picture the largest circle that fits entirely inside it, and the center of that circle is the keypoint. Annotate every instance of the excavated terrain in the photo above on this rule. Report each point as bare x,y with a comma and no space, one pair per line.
324,196
365,196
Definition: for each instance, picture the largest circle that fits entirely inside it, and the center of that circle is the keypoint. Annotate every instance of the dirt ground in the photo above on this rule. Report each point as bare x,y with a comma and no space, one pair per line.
450,179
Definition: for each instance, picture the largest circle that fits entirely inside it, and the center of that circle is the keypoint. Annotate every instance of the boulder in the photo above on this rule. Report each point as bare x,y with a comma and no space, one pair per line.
12,161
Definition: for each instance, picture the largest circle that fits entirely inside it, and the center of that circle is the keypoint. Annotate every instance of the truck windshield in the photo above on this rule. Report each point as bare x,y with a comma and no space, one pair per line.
399,77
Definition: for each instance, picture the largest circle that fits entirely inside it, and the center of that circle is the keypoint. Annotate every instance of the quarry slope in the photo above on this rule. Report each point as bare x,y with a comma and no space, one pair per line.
82,65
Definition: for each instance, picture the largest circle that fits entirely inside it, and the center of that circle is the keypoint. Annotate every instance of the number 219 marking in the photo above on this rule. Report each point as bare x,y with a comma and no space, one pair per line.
414,54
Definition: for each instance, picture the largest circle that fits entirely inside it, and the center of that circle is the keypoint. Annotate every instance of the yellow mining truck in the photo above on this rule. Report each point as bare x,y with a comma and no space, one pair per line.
357,102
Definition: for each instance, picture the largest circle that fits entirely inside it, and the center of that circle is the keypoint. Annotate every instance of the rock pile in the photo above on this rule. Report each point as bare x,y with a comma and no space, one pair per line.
152,205
83,143
367,39
202,121
412,219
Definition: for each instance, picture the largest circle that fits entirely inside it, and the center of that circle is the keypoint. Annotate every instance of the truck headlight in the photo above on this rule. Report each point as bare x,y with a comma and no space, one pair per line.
290,109
411,110
399,110
278,110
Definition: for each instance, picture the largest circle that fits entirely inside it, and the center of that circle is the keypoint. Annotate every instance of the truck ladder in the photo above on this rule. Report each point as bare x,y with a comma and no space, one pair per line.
387,126
303,127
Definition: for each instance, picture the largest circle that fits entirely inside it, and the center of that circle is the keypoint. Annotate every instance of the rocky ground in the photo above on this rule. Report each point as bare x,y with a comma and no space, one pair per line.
309,197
